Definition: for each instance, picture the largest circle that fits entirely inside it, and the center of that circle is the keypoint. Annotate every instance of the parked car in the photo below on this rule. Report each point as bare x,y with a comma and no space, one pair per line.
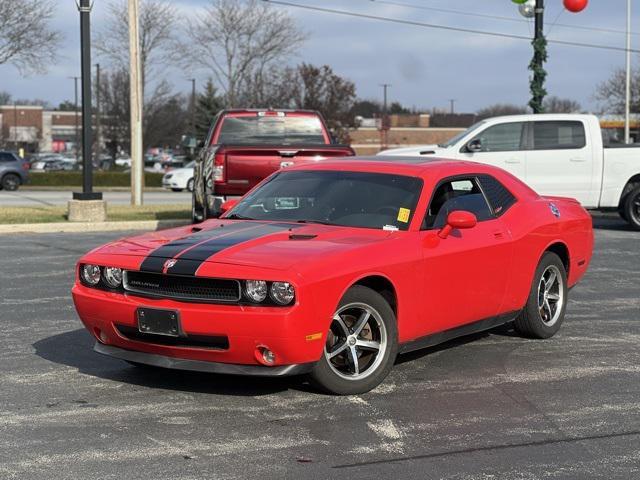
331,269
179,178
245,146
556,154
123,161
14,171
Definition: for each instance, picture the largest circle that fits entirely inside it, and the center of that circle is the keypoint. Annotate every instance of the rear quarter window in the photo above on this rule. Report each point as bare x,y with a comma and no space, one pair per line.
499,197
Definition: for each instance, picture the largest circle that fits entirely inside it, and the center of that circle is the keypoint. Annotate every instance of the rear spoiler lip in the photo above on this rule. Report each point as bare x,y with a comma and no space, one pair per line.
554,198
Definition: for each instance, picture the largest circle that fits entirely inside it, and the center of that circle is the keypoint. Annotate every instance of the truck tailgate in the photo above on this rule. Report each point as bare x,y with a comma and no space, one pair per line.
247,166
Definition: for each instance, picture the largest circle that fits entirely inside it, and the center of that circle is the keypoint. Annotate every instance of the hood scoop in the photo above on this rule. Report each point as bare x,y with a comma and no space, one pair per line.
427,152
295,236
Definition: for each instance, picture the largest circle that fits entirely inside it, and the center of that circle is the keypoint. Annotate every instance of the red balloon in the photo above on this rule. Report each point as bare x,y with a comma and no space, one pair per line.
575,6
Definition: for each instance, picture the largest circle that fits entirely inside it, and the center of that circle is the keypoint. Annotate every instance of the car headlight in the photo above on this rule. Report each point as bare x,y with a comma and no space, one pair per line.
282,293
256,290
90,274
112,276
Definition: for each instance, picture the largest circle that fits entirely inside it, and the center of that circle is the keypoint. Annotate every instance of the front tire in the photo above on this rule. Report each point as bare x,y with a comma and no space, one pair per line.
190,184
544,312
10,182
361,345
631,208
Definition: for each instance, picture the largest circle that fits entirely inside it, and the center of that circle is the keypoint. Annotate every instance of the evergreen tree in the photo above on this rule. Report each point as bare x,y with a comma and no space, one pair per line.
208,104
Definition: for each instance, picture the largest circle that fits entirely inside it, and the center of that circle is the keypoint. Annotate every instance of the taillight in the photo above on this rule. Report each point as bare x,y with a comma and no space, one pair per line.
26,165
218,167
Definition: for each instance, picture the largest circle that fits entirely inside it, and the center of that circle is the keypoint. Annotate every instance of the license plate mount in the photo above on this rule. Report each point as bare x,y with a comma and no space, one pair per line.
154,321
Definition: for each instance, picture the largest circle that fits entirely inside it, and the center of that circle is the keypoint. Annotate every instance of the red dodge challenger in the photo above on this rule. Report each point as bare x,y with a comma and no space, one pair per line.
333,269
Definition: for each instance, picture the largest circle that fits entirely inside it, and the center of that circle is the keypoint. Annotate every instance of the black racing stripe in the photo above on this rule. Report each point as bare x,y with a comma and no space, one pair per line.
155,260
189,262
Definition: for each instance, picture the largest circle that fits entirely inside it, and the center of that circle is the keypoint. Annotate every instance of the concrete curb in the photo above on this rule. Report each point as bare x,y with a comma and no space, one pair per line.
47,188
74,227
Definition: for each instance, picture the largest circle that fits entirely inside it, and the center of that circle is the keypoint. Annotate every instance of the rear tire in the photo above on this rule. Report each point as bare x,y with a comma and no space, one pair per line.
10,182
361,346
631,208
544,312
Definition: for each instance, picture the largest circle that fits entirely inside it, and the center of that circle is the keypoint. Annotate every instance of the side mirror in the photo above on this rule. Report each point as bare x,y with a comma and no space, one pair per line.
228,205
458,219
474,145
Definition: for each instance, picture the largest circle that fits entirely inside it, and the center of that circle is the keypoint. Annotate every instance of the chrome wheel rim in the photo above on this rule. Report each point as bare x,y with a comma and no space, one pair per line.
10,183
550,295
356,342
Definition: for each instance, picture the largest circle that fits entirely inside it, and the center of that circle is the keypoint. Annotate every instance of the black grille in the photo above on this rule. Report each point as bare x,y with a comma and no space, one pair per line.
182,288
219,342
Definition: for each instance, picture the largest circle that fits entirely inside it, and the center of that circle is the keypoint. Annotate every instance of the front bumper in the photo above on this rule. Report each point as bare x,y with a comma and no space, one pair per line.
290,332
200,366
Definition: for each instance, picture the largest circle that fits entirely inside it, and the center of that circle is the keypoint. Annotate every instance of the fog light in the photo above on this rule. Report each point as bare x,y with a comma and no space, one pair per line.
268,356
265,356
90,274
113,276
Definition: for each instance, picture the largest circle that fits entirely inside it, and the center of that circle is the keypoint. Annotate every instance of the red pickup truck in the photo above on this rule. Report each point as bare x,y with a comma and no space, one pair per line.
245,146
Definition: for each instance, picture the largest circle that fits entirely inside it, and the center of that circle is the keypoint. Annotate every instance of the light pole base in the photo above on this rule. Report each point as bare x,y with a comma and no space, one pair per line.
87,211
87,196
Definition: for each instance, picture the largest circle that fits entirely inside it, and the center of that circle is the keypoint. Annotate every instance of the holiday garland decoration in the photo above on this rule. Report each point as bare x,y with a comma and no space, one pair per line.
527,9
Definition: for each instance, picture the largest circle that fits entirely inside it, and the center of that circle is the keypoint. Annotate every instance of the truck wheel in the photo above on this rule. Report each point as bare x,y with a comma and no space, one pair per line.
544,311
198,212
631,208
361,345
10,182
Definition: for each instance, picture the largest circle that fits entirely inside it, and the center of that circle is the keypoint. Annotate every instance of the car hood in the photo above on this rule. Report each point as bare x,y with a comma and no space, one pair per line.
181,171
272,245
414,151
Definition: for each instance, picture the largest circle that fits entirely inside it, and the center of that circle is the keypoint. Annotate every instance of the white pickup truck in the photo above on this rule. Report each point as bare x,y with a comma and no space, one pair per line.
555,154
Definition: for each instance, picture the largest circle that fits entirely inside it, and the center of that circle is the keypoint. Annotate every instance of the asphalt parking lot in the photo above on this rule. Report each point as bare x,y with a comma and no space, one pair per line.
487,406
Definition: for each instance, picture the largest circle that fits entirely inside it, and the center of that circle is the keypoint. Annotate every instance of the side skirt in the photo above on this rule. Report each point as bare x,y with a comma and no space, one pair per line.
445,336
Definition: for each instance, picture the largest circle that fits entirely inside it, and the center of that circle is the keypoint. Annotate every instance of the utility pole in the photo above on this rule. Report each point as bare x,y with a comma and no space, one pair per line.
98,119
452,101
193,107
627,106
77,137
384,130
135,83
15,127
539,57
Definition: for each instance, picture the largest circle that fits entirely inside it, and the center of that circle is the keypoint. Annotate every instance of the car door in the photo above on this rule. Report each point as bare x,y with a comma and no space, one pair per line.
502,145
464,274
560,162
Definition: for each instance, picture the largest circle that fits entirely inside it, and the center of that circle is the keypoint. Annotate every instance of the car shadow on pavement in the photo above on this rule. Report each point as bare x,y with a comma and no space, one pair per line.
75,349
610,221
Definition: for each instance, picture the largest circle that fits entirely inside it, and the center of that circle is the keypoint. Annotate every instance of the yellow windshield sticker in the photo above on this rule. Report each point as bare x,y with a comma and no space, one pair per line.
403,215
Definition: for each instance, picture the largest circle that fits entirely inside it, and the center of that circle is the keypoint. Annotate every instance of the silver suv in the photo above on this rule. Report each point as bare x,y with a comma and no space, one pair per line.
13,171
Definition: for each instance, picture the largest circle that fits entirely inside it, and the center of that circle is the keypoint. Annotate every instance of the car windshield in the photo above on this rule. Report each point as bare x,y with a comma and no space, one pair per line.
461,135
353,199
191,164
271,130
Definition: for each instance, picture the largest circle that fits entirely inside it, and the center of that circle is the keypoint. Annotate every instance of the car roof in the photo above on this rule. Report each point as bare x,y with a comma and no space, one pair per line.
427,168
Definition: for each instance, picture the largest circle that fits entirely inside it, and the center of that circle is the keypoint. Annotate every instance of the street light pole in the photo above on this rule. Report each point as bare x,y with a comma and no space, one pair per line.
193,107
98,119
84,6
539,57
384,140
627,106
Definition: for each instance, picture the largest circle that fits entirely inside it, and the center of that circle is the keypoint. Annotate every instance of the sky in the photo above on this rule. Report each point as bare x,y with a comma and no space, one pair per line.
425,67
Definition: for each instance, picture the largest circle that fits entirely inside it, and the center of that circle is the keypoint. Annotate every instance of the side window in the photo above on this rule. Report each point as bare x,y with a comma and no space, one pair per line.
506,137
500,199
458,194
6,157
558,135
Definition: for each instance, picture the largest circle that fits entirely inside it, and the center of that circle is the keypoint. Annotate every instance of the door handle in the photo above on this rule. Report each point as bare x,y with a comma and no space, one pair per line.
578,159
512,161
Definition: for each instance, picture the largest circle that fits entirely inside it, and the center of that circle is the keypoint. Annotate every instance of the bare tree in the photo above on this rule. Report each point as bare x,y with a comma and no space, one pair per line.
157,24
611,93
555,104
237,39
27,41
499,109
